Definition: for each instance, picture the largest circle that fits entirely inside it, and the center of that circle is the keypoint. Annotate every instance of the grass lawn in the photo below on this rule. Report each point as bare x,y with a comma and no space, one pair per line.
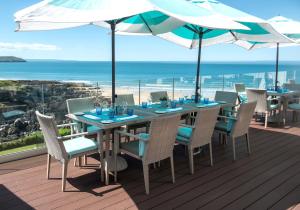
20,149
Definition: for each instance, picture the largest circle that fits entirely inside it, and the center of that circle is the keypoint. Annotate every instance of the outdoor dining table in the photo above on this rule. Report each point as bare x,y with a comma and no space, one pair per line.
285,97
140,115
107,127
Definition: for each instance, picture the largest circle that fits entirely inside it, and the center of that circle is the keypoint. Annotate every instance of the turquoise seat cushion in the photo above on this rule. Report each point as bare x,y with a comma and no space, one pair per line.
274,106
185,132
181,139
294,106
225,126
79,145
136,147
243,98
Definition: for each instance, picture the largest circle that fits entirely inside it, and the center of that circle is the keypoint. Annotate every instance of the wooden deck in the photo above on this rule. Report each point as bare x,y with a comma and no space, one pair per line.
268,178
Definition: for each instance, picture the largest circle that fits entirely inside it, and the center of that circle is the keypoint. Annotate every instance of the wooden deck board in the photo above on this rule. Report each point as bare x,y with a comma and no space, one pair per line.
268,178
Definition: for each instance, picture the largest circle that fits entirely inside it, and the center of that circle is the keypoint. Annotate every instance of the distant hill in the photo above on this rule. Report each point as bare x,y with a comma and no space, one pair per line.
11,59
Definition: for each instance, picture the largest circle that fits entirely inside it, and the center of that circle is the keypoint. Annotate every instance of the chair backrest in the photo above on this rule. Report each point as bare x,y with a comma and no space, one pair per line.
49,129
292,81
244,116
123,99
156,96
163,131
205,123
260,96
240,87
229,97
80,104
292,86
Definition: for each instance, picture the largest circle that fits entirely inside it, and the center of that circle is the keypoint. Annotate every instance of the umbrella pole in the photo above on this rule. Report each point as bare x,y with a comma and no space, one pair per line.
277,67
113,64
198,68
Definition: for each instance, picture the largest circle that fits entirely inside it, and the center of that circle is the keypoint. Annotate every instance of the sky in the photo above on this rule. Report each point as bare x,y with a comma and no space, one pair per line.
92,43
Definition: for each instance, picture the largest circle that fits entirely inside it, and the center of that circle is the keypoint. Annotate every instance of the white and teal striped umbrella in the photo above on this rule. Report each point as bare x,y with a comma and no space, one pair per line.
285,26
132,16
192,36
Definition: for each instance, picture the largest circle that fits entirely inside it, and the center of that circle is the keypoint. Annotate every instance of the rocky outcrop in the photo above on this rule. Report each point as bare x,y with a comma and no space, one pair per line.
11,59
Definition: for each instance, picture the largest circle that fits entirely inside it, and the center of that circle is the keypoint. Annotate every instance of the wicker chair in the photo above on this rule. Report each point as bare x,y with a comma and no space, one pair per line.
240,88
295,108
64,148
264,105
125,99
128,99
82,105
200,134
156,96
229,97
237,126
150,148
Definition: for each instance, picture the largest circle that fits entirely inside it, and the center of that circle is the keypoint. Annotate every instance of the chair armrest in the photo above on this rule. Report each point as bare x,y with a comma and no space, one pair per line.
123,133
228,118
71,136
66,125
187,126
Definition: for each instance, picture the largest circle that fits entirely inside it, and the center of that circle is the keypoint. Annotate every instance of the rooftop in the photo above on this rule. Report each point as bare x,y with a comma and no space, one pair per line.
268,178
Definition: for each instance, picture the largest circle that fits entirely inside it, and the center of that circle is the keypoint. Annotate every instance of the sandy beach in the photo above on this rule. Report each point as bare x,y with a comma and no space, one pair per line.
145,92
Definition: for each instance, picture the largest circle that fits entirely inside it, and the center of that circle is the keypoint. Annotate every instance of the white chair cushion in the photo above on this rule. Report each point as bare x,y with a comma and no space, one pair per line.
79,145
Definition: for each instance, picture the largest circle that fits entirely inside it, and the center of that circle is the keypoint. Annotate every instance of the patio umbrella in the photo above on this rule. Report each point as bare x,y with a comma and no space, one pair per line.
134,16
288,27
192,36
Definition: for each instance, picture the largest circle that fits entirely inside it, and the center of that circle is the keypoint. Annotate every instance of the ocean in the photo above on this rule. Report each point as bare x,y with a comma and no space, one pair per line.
216,74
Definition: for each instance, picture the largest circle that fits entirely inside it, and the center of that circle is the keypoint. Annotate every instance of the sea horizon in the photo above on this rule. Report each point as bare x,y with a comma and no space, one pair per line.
151,73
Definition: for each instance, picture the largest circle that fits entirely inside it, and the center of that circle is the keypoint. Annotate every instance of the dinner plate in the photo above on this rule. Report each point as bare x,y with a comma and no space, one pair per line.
160,111
78,113
107,121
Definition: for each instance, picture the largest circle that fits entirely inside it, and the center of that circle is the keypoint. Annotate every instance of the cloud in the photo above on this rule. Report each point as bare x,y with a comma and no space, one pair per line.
27,46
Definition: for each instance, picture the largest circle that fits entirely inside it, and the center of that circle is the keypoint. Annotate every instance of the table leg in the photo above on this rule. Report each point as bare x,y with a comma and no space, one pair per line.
107,133
100,142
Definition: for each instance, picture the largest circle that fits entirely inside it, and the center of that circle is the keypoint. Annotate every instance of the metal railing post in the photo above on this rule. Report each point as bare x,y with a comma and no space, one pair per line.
173,89
223,82
139,92
43,99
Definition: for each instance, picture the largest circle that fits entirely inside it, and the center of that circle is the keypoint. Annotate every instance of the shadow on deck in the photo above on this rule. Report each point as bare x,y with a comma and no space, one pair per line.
268,178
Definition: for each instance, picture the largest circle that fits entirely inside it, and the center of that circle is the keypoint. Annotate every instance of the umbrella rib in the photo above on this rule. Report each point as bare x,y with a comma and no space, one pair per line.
123,19
141,16
191,29
234,36
207,31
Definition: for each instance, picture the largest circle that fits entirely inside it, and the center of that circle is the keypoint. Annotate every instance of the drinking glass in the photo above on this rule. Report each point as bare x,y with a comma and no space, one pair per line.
144,105
111,113
99,110
130,111
206,100
173,104
181,101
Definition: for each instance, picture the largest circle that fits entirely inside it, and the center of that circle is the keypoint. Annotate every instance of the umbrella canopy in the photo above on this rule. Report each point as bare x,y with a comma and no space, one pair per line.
192,36
138,16
288,27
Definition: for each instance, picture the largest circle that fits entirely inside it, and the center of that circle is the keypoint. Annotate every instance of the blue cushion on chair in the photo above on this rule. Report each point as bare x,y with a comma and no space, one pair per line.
181,139
294,106
79,145
225,126
136,147
185,132
243,98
